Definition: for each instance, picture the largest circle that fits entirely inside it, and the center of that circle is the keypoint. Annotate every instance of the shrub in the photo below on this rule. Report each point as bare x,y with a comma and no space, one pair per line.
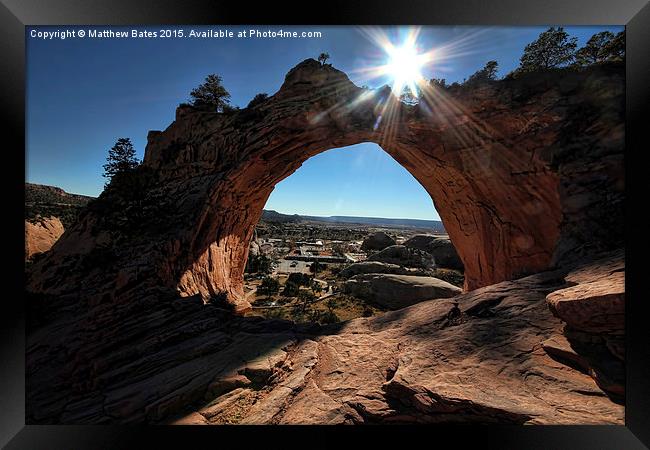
268,286
290,289
211,95
220,300
258,100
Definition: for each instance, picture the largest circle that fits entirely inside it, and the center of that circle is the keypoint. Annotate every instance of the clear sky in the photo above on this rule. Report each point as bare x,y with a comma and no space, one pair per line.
85,93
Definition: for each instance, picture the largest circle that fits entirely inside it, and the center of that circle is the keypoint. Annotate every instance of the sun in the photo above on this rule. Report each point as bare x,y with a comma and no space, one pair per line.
405,67
400,61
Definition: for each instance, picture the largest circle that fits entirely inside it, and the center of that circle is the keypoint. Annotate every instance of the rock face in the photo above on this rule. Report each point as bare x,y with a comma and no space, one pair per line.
41,235
398,291
469,359
593,308
404,256
377,241
371,267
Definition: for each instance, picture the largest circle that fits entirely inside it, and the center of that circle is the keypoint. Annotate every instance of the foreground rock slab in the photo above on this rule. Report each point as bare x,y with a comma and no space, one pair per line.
495,355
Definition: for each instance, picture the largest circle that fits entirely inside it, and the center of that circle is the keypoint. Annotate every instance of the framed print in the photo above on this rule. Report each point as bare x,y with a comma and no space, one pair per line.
247,221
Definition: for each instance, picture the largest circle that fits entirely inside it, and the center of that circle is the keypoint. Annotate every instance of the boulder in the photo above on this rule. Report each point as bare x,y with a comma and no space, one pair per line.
398,291
371,267
420,241
404,256
445,255
596,306
377,241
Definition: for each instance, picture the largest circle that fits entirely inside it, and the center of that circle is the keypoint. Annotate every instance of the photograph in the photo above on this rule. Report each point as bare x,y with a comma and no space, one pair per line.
325,224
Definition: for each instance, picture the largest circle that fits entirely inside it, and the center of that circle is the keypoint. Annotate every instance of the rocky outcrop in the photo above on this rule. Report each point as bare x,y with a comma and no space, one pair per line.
467,359
499,162
420,241
593,308
398,291
404,256
41,234
525,173
377,241
371,267
445,255
491,355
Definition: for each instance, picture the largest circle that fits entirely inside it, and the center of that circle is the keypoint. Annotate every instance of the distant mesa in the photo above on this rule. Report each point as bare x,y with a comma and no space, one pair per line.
434,225
377,241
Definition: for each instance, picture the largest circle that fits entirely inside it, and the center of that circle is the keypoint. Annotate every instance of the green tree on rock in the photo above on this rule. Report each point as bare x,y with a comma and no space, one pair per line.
553,48
614,50
323,57
121,158
258,99
211,94
594,50
487,73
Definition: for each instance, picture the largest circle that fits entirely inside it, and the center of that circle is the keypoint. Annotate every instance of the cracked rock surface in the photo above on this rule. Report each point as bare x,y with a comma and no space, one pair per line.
495,355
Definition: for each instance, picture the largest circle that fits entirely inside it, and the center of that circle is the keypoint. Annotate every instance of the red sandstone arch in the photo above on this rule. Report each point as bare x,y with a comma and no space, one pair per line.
488,157
473,174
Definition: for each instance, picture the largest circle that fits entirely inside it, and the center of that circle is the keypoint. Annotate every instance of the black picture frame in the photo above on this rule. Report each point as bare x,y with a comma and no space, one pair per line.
635,14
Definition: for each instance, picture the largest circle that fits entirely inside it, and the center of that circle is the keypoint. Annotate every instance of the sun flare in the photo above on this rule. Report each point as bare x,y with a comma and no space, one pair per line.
404,67
402,63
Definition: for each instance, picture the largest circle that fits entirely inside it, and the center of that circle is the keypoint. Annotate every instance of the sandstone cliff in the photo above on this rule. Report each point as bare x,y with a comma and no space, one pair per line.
41,235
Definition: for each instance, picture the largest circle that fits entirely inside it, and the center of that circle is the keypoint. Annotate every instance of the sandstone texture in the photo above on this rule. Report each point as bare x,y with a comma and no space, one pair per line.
41,235
494,355
371,267
404,256
398,291
377,241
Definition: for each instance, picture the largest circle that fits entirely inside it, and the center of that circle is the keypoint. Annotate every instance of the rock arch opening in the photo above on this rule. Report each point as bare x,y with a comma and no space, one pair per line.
347,221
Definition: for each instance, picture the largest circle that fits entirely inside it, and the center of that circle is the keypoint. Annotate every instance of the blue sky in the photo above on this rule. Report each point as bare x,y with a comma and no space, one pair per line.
84,94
